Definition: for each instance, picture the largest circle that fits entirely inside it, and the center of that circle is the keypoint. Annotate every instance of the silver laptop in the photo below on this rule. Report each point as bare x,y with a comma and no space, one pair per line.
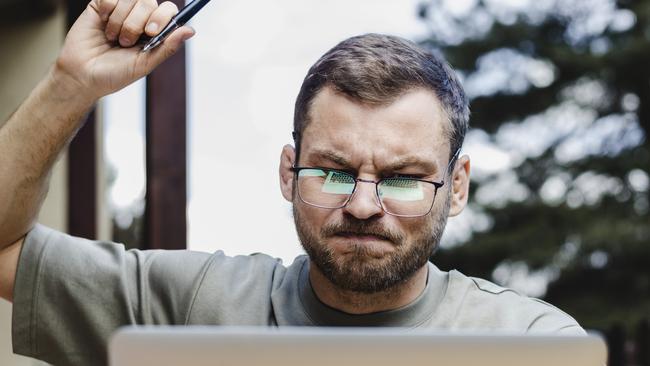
311,346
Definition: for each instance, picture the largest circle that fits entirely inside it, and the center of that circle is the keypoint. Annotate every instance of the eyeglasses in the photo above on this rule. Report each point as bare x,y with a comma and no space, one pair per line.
401,196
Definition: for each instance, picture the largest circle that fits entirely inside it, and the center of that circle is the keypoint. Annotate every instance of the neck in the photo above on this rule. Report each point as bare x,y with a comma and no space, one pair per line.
353,302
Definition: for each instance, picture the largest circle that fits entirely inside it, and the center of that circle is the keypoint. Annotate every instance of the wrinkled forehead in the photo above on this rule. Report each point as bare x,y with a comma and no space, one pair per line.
412,126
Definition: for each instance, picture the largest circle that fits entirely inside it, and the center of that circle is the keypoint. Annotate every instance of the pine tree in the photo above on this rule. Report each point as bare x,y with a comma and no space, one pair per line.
563,89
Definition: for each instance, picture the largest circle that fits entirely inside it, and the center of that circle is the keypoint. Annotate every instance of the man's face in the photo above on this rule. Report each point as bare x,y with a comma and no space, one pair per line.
359,247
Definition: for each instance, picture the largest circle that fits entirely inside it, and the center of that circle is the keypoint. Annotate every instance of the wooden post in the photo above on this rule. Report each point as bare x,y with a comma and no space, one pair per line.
166,197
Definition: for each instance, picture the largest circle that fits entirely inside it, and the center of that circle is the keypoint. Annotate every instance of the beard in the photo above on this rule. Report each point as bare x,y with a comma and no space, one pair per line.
361,270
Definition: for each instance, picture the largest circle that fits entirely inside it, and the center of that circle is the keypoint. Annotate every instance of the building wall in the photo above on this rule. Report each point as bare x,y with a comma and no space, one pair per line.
26,56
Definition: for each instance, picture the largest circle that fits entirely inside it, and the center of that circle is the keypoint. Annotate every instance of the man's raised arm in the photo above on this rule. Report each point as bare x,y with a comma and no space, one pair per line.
98,57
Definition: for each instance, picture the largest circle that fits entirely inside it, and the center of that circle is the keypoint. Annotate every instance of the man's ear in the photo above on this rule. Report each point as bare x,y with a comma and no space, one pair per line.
287,160
459,186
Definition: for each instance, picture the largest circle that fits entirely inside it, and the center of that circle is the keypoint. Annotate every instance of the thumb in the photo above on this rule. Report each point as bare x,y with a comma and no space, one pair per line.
170,45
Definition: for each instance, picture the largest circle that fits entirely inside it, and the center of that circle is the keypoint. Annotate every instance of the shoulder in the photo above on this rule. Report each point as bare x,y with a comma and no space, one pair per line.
216,271
236,290
156,263
483,304
168,273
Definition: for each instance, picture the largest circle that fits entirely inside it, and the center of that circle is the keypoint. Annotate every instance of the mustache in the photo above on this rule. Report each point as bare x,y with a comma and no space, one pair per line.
361,227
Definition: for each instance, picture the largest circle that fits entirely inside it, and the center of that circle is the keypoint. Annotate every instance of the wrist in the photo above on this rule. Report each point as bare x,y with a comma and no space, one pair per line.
69,89
58,100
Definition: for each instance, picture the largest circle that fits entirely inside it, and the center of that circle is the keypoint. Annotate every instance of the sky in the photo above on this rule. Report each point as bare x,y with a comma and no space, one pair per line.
247,63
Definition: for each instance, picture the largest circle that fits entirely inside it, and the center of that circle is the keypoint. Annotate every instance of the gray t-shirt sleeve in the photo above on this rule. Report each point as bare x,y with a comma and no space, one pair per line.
70,294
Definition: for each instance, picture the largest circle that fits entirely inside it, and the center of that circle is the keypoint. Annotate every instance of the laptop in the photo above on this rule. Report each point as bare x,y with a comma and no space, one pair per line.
312,346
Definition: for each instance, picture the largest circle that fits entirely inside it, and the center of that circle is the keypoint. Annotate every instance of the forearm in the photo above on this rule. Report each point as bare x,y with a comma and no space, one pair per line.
30,142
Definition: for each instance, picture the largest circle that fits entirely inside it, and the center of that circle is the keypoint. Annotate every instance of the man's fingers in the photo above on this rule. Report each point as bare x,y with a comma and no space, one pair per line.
105,8
128,19
117,17
160,17
133,25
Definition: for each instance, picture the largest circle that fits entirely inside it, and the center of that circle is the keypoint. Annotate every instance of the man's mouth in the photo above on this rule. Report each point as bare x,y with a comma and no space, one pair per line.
362,237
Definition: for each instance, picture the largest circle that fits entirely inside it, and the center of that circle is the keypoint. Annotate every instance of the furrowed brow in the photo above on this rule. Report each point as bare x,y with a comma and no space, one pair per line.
330,156
395,165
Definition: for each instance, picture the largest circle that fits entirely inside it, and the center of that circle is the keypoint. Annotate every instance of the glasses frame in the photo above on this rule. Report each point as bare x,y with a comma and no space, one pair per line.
296,170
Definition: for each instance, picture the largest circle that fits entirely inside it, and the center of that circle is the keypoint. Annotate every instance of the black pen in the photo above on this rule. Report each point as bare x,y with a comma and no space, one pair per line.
177,21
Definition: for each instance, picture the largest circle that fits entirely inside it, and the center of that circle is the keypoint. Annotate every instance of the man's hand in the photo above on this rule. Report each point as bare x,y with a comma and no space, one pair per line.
99,55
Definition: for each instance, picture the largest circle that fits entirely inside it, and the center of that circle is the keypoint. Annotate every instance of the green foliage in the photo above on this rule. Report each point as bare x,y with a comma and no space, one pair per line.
592,239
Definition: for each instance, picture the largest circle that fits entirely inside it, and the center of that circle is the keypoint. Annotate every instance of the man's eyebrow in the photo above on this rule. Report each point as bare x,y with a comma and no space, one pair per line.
411,162
330,155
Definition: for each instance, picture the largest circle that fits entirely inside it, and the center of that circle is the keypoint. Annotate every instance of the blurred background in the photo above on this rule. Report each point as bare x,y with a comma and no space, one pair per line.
560,100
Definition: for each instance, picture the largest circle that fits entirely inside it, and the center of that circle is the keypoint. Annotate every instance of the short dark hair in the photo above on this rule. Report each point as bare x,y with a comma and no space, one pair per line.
377,69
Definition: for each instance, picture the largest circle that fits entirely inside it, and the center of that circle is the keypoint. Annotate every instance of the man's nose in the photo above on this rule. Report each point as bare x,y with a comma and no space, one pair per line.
364,202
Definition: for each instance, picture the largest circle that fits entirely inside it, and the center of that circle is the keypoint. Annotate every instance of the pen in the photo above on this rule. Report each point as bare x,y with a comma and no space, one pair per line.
177,21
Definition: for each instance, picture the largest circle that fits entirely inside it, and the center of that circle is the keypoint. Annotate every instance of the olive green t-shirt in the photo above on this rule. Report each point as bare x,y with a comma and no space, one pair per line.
72,293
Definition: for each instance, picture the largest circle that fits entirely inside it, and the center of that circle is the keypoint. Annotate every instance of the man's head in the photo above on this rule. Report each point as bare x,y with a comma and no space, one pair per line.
376,107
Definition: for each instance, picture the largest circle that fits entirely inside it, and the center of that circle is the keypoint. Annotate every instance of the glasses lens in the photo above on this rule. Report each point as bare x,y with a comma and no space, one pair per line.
325,188
405,196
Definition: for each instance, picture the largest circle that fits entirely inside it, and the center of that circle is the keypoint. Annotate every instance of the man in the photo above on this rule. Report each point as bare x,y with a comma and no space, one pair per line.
374,174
